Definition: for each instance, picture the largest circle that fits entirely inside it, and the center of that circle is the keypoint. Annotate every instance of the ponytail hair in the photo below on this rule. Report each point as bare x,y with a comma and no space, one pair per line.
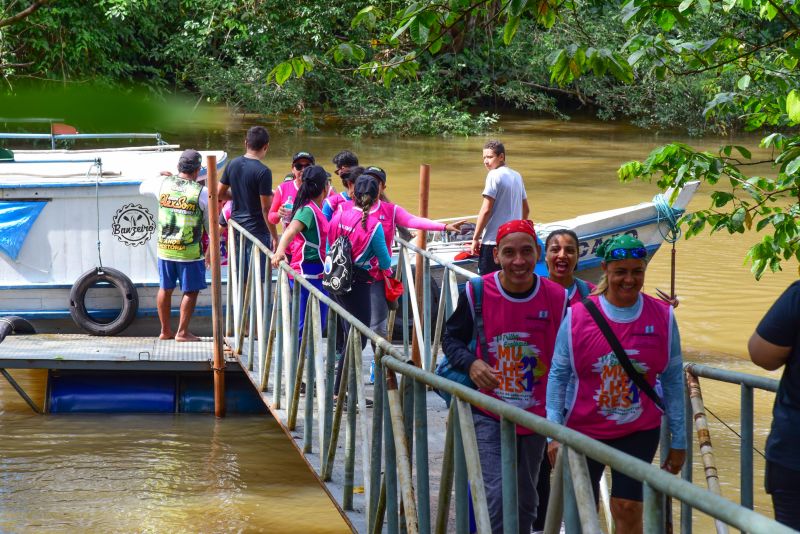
365,202
311,187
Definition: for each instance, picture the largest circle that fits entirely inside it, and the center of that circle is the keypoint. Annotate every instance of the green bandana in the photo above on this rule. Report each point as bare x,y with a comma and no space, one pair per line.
621,247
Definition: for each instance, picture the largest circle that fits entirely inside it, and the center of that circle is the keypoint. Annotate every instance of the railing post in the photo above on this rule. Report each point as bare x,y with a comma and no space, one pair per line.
403,454
254,281
461,481
555,506
377,443
652,510
421,439
231,282
310,354
572,521
330,363
686,471
350,429
508,459
261,315
392,512
582,488
294,336
746,454
446,480
426,314
280,306
471,454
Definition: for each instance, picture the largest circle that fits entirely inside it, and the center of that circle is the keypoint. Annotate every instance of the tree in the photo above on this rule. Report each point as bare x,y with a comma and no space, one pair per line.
748,48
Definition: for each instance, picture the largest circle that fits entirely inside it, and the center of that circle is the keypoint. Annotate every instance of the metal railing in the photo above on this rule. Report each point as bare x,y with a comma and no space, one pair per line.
392,441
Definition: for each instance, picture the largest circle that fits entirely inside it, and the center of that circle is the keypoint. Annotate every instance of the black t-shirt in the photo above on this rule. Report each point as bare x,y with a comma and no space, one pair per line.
781,326
249,180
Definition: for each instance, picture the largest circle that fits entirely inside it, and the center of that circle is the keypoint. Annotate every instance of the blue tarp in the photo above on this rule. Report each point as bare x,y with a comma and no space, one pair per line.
16,219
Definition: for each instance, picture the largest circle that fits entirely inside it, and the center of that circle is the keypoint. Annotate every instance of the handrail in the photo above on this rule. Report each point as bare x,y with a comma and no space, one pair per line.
399,418
732,377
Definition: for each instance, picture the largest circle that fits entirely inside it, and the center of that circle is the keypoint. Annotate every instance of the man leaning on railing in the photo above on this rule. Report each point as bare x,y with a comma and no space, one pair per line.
510,360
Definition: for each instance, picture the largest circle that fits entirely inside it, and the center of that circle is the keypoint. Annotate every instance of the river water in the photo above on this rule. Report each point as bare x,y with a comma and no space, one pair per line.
192,473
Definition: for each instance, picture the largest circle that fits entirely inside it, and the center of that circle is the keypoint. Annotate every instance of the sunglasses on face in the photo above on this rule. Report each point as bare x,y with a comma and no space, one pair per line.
624,253
301,166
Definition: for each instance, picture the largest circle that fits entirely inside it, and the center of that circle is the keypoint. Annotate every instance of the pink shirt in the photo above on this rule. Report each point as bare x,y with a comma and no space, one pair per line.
608,405
521,336
286,193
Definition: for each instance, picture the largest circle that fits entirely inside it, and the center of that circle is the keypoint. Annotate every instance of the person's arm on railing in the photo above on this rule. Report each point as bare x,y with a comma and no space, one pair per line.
673,388
295,227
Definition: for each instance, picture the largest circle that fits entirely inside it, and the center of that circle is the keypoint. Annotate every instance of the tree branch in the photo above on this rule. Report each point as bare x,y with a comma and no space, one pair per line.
24,13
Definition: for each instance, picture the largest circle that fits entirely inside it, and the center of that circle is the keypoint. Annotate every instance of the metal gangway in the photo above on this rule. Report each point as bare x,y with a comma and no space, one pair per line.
407,464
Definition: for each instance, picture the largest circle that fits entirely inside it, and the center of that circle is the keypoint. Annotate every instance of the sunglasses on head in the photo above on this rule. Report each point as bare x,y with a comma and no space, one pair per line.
624,253
301,166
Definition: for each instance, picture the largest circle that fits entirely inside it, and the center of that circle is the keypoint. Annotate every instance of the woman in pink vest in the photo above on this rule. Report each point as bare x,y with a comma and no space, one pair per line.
285,195
305,237
367,241
591,392
521,316
561,257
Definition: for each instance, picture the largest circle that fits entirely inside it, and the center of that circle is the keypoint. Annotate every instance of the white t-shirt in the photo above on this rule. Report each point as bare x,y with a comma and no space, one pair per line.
505,186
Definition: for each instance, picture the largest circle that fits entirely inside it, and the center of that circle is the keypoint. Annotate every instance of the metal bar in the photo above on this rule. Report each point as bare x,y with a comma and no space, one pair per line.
294,404
584,495
421,442
294,337
555,505
244,313
319,389
286,345
405,297
377,437
21,391
508,460
446,478
251,324
572,520
330,362
746,446
434,258
426,314
686,470
461,480
261,315
311,349
350,429
402,454
652,508
472,456
392,512
327,468
732,377
268,352
440,312
231,281
361,400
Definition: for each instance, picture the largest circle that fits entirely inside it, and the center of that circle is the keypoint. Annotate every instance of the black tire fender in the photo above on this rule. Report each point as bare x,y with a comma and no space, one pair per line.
77,301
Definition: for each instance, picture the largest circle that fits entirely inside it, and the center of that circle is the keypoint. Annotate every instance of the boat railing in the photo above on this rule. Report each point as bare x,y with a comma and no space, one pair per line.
403,486
54,137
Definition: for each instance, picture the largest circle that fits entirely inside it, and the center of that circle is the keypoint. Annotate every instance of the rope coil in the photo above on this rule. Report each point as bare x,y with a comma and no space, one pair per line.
667,214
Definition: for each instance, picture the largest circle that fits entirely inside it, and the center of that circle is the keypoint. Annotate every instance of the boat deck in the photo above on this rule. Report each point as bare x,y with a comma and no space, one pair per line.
81,351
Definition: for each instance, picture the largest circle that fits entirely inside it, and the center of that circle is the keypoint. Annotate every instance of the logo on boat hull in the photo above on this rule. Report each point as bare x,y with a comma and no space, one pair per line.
133,224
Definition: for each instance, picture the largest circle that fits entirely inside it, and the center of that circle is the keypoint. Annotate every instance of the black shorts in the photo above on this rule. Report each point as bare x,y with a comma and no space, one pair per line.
642,445
782,484
486,262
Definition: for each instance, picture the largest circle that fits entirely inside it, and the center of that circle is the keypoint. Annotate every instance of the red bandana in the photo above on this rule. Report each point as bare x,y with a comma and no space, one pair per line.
524,226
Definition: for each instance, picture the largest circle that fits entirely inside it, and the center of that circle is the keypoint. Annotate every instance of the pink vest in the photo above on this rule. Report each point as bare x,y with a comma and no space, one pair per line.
384,213
337,202
288,191
348,222
607,404
521,335
298,245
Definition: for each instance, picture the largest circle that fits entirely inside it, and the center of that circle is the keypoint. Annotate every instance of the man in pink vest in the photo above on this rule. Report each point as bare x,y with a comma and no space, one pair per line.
523,314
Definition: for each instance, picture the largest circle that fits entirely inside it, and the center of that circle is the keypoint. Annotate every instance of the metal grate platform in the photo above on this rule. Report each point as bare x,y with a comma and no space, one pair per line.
81,351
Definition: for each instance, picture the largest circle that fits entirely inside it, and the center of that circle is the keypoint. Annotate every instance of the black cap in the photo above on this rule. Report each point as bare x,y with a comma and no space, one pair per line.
315,173
304,155
190,161
377,172
366,185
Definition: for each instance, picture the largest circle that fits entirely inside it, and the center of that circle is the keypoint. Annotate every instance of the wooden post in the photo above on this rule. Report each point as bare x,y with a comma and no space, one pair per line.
216,288
424,188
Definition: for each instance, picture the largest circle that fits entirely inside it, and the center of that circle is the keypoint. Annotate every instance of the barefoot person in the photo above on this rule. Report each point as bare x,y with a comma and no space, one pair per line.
182,216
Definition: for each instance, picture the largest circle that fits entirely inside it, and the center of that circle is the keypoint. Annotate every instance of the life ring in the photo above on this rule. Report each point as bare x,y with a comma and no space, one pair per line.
77,302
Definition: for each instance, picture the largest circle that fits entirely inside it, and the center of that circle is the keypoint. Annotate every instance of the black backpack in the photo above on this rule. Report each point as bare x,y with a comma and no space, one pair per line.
337,273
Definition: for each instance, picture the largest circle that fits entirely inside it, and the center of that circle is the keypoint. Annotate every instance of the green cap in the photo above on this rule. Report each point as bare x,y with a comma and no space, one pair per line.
621,247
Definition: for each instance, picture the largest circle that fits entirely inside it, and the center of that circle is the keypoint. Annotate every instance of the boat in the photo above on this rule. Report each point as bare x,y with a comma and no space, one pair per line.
74,223
66,213
649,222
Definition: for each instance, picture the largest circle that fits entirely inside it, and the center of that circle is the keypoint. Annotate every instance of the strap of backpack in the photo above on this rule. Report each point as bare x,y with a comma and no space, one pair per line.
622,356
477,303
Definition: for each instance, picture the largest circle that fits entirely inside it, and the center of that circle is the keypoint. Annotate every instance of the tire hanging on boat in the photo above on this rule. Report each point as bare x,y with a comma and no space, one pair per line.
77,301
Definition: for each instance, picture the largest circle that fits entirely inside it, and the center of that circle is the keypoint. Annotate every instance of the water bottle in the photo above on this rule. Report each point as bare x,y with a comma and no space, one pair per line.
372,372
288,205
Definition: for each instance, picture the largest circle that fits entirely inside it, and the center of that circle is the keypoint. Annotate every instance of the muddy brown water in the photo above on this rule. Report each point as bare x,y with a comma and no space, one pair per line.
191,473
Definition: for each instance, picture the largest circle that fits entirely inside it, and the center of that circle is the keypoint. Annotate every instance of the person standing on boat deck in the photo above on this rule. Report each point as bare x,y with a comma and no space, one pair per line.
521,315
367,242
345,162
286,192
248,182
305,237
182,216
776,343
601,399
504,199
